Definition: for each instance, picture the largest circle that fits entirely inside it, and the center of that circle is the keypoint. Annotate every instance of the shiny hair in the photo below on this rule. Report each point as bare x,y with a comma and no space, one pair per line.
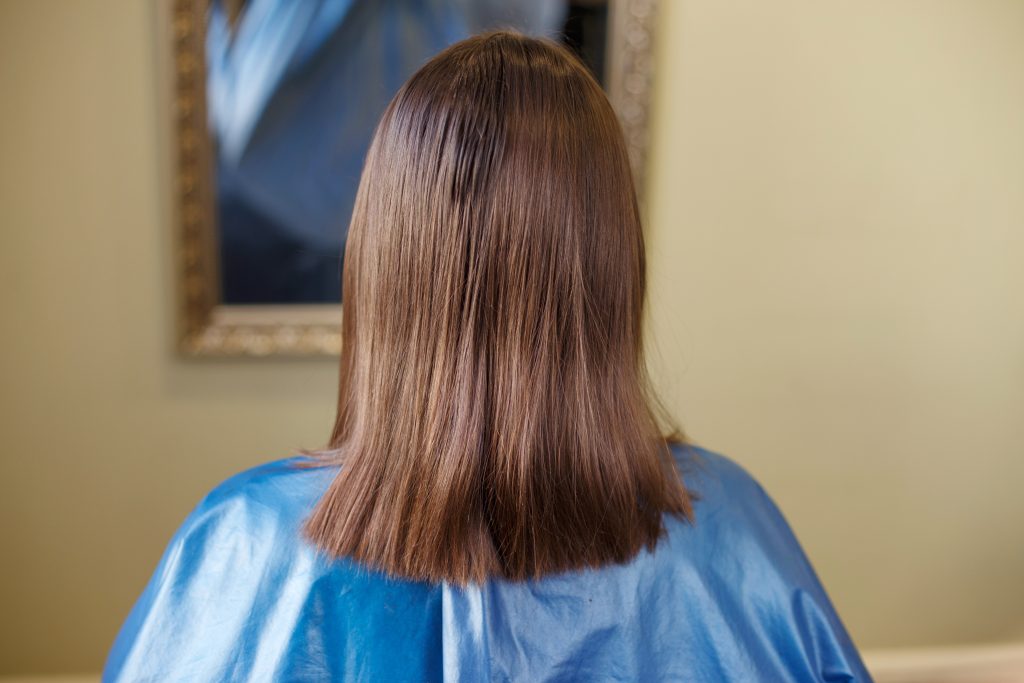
494,417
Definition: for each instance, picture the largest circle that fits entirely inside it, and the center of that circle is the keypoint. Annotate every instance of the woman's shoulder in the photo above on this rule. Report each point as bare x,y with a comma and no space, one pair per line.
259,511
717,481
735,519
729,595
280,491
239,548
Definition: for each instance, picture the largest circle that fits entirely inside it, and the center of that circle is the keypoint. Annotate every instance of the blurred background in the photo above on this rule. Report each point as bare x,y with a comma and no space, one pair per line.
835,212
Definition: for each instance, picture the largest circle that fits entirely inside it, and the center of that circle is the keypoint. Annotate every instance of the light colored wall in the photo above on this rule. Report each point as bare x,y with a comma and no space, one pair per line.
835,217
837,244
109,439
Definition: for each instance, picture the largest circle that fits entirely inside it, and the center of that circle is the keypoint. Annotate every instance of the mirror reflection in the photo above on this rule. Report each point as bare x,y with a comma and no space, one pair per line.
294,90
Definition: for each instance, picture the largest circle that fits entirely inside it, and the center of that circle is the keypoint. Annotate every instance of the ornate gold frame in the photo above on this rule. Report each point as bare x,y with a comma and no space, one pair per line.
209,328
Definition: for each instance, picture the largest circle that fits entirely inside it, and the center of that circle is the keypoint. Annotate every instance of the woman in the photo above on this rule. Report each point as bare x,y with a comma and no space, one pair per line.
498,501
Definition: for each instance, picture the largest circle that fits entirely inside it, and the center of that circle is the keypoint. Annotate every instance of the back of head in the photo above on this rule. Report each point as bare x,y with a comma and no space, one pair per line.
493,415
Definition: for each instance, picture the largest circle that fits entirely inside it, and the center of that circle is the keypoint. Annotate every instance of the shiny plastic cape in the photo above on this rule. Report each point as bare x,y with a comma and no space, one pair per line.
240,596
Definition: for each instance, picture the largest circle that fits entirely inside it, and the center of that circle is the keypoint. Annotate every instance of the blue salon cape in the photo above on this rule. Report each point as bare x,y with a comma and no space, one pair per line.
240,596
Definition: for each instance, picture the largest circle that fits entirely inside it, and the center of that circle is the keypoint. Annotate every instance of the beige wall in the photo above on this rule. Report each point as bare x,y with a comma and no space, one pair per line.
109,439
836,208
837,236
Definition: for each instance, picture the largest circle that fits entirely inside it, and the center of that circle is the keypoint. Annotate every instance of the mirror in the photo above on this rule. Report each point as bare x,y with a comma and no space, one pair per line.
276,102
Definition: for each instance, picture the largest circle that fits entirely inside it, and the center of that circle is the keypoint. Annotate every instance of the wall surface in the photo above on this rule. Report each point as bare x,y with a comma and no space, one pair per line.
836,219
837,242
110,439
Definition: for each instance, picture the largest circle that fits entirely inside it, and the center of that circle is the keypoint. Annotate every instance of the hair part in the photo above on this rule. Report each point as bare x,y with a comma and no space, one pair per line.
494,414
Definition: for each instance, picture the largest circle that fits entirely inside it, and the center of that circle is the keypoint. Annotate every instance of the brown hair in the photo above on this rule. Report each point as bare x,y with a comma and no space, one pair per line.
493,411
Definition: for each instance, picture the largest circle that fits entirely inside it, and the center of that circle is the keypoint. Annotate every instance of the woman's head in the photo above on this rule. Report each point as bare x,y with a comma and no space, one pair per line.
493,414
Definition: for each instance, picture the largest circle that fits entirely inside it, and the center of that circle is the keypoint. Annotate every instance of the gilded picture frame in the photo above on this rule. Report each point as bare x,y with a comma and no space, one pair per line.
208,327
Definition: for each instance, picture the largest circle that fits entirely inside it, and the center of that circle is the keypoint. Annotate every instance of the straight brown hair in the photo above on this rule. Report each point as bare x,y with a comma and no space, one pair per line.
494,417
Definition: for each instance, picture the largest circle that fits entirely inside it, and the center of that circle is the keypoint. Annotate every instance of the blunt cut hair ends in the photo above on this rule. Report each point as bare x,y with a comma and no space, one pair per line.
494,417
